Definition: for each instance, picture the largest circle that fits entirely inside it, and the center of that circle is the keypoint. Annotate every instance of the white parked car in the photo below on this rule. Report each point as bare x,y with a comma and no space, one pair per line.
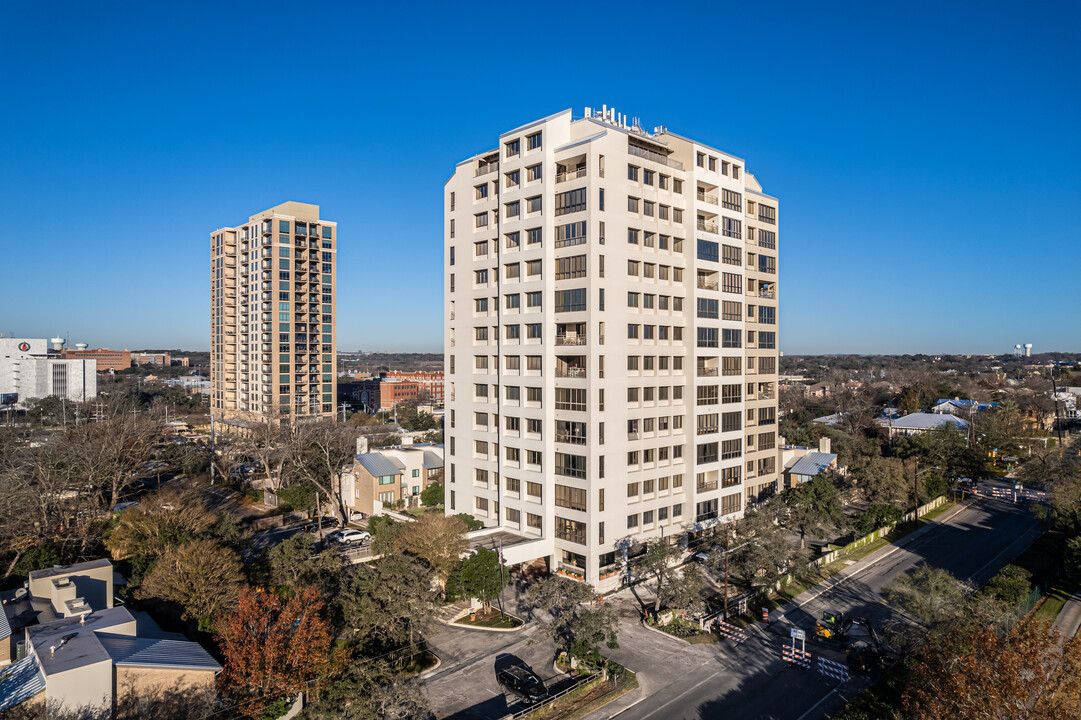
353,537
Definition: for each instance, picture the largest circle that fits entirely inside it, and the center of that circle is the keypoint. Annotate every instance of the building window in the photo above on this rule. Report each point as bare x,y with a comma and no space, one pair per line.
533,142
570,201
533,236
513,148
533,204
570,497
533,521
570,530
767,214
707,250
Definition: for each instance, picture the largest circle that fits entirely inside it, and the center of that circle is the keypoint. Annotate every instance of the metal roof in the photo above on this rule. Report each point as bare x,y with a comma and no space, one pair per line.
128,651
813,463
378,465
927,421
432,461
20,681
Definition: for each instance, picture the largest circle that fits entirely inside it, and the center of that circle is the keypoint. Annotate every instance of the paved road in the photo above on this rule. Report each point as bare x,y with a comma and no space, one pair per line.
750,681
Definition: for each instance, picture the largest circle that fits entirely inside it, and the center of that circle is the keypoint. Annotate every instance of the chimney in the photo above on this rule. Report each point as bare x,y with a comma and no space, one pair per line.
362,445
824,445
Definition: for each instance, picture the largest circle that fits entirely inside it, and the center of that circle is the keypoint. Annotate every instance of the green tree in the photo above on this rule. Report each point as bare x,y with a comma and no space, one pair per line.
292,564
470,522
479,576
875,517
657,563
201,576
929,594
432,495
384,604
685,589
1011,585
370,690
575,623
814,507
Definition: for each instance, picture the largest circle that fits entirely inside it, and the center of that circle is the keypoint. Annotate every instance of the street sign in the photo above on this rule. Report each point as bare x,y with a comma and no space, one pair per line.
798,634
743,606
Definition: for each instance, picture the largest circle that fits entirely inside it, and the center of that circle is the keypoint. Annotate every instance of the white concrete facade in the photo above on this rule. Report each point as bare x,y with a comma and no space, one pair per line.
611,310
27,369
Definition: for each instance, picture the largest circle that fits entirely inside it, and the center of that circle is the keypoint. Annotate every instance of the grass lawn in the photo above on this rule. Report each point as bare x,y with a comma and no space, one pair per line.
490,619
418,663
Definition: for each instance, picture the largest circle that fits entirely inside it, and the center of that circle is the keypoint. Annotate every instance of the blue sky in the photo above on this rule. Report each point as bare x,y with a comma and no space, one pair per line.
926,154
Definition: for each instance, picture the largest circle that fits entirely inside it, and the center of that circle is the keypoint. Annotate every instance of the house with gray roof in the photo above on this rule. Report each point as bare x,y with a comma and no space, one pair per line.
390,476
920,422
83,653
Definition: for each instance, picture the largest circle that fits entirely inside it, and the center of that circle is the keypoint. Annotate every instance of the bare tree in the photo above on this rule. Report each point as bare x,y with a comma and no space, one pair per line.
323,452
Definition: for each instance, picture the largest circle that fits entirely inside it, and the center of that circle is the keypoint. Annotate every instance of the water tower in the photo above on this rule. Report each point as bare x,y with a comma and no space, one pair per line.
1028,349
81,346
1017,350
57,343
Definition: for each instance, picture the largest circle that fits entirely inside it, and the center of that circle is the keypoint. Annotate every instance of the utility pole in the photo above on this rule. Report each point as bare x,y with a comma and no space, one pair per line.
501,580
726,572
319,516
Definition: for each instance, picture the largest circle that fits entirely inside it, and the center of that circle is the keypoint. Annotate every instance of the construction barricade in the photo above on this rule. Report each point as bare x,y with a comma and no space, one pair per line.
833,669
794,655
730,631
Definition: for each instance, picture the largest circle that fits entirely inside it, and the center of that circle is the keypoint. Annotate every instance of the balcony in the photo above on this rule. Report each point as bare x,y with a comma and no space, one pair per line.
707,486
570,438
766,292
485,168
570,340
707,429
570,175
707,197
709,226
572,571
654,157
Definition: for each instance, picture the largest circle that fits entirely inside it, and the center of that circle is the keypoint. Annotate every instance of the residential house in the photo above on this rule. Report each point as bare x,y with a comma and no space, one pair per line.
799,464
917,423
392,475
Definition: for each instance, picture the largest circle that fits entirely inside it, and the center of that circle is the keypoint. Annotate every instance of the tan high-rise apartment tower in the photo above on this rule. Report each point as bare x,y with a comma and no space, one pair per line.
611,339
272,316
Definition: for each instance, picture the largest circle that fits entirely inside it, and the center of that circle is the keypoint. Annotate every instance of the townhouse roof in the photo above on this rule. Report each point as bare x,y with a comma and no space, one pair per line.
432,461
127,651
69,569
75,642
927,421
20,681
379,465
813,463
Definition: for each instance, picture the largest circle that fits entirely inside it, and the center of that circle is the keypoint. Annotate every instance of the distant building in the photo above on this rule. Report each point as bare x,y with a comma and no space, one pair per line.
818,390
106,359
272,314
162,359
394,388
75,651
961,408
29,371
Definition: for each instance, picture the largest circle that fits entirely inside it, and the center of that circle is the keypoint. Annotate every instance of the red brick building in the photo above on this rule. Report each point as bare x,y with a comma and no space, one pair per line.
431,382
107,359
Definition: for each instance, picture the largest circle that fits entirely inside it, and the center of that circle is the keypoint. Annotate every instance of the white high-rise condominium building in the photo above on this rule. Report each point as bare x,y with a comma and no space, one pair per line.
272,311
611,338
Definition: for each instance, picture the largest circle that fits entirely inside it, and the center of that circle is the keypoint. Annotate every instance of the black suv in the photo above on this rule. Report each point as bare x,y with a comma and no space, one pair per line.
523,684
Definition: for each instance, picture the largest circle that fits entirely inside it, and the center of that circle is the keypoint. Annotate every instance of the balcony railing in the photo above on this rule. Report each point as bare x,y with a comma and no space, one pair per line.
708,226
707,429
707,458
654,156
570,439
485,168
707,372
707,284
570,175
570,340
710,198
764,293
571,372
707,486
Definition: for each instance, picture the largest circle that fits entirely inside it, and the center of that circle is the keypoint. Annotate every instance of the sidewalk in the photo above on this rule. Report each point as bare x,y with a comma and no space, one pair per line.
1069,617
